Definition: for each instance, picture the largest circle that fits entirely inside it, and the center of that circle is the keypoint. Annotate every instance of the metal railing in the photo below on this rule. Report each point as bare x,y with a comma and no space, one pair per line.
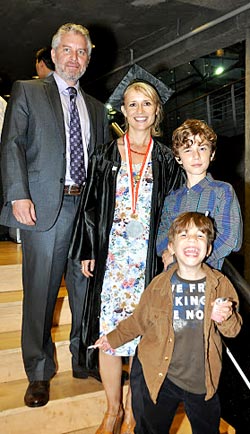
223,109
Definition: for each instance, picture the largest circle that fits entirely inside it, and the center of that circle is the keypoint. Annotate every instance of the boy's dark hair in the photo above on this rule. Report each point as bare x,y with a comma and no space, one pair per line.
186,219
192,127
45,55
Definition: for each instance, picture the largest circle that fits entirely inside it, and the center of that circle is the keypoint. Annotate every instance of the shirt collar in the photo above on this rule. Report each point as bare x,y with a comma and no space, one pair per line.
202,184
62,85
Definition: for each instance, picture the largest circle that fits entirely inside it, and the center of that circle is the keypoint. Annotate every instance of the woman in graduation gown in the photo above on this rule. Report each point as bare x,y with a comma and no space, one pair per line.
116,230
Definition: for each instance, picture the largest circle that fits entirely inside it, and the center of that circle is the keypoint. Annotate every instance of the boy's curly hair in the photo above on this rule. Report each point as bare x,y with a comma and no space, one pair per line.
192,127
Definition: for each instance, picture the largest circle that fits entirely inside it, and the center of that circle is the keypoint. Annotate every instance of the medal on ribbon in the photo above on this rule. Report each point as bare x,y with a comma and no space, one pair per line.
134,227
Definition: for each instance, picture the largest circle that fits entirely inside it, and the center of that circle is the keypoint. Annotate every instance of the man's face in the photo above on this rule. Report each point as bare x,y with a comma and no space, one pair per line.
71,57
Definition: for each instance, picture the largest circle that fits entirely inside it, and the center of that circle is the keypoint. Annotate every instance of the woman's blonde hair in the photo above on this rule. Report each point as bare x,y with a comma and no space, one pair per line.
148,90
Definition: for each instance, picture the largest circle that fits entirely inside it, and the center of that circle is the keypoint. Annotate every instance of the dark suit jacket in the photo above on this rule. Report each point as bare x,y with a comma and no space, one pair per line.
33,149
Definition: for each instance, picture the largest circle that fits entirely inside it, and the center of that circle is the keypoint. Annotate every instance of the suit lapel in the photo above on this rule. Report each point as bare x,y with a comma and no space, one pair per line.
51,90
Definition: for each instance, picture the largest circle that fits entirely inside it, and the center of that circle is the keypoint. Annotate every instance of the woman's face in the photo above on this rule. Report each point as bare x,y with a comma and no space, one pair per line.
139,109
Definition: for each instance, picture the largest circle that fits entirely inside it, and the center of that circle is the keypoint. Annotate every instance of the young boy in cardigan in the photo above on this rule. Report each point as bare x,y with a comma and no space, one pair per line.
179,354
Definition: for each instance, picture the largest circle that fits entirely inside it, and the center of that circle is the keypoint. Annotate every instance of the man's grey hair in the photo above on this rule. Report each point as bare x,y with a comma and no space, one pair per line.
71,27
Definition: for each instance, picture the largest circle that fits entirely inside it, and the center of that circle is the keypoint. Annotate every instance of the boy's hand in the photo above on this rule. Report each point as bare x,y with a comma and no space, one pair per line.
223,311
103,344
167,258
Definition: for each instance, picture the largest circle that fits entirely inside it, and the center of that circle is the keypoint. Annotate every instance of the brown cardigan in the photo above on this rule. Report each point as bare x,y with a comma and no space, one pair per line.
152,319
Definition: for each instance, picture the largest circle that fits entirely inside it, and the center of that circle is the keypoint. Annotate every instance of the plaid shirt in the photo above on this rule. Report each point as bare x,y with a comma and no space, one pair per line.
220,201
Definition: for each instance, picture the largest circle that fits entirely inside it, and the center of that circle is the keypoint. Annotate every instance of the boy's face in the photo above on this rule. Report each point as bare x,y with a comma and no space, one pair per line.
190,246
195,158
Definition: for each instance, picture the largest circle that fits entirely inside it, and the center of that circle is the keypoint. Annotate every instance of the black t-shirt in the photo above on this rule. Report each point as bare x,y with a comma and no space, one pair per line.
187,367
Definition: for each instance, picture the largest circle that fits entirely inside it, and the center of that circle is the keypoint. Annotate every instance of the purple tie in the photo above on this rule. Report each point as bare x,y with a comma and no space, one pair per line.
77,168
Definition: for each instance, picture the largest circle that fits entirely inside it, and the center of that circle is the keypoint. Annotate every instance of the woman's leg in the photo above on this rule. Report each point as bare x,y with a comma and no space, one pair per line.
129,421
111,373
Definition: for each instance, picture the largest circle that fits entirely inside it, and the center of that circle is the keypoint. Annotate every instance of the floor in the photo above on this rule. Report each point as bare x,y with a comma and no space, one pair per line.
234,394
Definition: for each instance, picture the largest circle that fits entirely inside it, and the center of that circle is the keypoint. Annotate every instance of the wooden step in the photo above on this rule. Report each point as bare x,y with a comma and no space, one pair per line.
11,363
11,310
91,430
11,277
10,253
17,295
74,404
180,425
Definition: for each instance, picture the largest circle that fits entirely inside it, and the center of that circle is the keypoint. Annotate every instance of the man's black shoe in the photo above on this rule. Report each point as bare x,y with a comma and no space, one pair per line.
37,394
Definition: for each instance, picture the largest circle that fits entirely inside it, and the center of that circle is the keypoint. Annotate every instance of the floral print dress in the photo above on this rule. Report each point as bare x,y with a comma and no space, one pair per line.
124,278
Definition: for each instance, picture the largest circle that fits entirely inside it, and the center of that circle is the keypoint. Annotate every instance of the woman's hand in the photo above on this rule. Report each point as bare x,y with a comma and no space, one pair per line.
88,267
167,258
103,344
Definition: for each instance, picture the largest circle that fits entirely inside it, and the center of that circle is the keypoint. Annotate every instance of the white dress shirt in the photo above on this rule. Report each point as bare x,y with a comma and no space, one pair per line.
84,119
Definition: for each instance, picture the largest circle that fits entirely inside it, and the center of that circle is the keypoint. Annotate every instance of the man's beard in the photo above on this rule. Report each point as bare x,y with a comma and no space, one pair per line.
70,77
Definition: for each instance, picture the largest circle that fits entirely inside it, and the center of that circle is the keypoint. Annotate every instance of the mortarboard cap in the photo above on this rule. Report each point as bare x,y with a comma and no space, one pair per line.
137,73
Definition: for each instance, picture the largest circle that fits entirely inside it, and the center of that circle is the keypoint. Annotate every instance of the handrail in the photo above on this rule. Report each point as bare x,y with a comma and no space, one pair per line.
204,95
240,284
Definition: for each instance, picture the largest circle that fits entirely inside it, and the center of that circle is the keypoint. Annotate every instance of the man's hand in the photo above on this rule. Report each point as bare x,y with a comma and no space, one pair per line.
24,211
88,267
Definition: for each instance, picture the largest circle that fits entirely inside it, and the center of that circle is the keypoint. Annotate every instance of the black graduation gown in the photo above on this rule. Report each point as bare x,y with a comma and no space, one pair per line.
94,222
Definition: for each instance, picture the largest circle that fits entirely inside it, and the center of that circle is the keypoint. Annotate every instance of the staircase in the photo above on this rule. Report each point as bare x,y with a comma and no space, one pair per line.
76,406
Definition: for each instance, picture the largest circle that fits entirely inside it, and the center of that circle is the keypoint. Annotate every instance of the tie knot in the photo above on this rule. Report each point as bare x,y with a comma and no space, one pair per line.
72,91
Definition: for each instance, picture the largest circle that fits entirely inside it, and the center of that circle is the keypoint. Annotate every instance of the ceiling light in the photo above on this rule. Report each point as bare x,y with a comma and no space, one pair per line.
220,52
219,70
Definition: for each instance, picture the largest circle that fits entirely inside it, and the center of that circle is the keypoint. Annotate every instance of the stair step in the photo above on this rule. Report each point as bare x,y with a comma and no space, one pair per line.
10,253
11,364
81,402
17,295
76,406
12,340
11,312
180,425
91,430
11,277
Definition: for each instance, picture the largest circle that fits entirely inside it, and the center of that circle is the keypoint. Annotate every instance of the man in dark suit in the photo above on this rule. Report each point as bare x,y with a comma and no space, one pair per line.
44,63
41,196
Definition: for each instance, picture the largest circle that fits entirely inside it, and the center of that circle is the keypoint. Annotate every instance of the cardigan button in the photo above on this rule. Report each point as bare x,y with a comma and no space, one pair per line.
160,374
166,358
